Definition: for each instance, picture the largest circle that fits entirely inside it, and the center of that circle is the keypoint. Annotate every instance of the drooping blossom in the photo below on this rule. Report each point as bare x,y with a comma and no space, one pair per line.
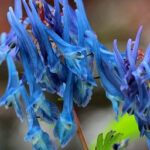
57,47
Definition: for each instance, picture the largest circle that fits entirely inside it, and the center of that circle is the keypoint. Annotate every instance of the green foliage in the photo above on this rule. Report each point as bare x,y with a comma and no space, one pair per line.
107,142
126,125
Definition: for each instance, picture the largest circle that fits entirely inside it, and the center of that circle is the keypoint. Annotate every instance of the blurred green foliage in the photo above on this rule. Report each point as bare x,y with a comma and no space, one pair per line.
126,125
107,142
125,128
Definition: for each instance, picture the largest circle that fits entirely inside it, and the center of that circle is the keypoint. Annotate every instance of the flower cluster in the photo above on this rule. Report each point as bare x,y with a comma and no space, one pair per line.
57,47
49,44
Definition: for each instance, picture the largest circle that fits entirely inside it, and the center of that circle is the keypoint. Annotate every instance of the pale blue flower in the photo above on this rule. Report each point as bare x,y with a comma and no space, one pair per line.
12,93
65,127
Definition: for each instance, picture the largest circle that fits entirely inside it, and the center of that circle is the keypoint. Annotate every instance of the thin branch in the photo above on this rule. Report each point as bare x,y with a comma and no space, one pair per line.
80,132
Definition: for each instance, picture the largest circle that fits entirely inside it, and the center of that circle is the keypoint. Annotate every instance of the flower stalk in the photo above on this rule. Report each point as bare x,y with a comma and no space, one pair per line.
80,132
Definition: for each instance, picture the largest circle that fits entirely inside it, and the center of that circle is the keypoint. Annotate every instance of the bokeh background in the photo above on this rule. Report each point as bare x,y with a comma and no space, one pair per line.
110,19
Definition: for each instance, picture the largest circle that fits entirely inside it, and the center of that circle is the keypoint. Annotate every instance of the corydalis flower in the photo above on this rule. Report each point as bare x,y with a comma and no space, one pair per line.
35,135
29,52
129,80
105,66
128,71
133,71
50,47
12,94
65,126
57,48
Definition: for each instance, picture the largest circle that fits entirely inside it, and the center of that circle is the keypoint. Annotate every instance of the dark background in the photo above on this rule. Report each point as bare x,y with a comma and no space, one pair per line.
110,19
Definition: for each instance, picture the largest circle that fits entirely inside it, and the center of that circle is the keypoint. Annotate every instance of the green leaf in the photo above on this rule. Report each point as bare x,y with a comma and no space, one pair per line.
110,139
126,125
99,142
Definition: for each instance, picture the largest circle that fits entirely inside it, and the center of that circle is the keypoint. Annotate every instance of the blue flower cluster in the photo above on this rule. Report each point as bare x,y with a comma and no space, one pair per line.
57,48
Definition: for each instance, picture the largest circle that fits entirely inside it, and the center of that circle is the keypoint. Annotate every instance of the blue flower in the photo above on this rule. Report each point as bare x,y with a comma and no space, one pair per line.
47,13
130,86
74,55
47,52
57,18
30,53
105,67
40,140
82,92
18,9
133,70
82,15
7,41
43,108
12,93
65,127
57,49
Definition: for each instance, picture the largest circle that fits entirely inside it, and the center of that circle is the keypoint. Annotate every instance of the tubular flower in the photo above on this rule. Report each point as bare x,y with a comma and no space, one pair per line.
65,126
133,71
105,66
35,135
129,81
12,94
57,49
50,46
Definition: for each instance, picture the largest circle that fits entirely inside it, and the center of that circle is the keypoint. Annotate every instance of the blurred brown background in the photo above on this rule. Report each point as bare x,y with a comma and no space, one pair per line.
110,19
